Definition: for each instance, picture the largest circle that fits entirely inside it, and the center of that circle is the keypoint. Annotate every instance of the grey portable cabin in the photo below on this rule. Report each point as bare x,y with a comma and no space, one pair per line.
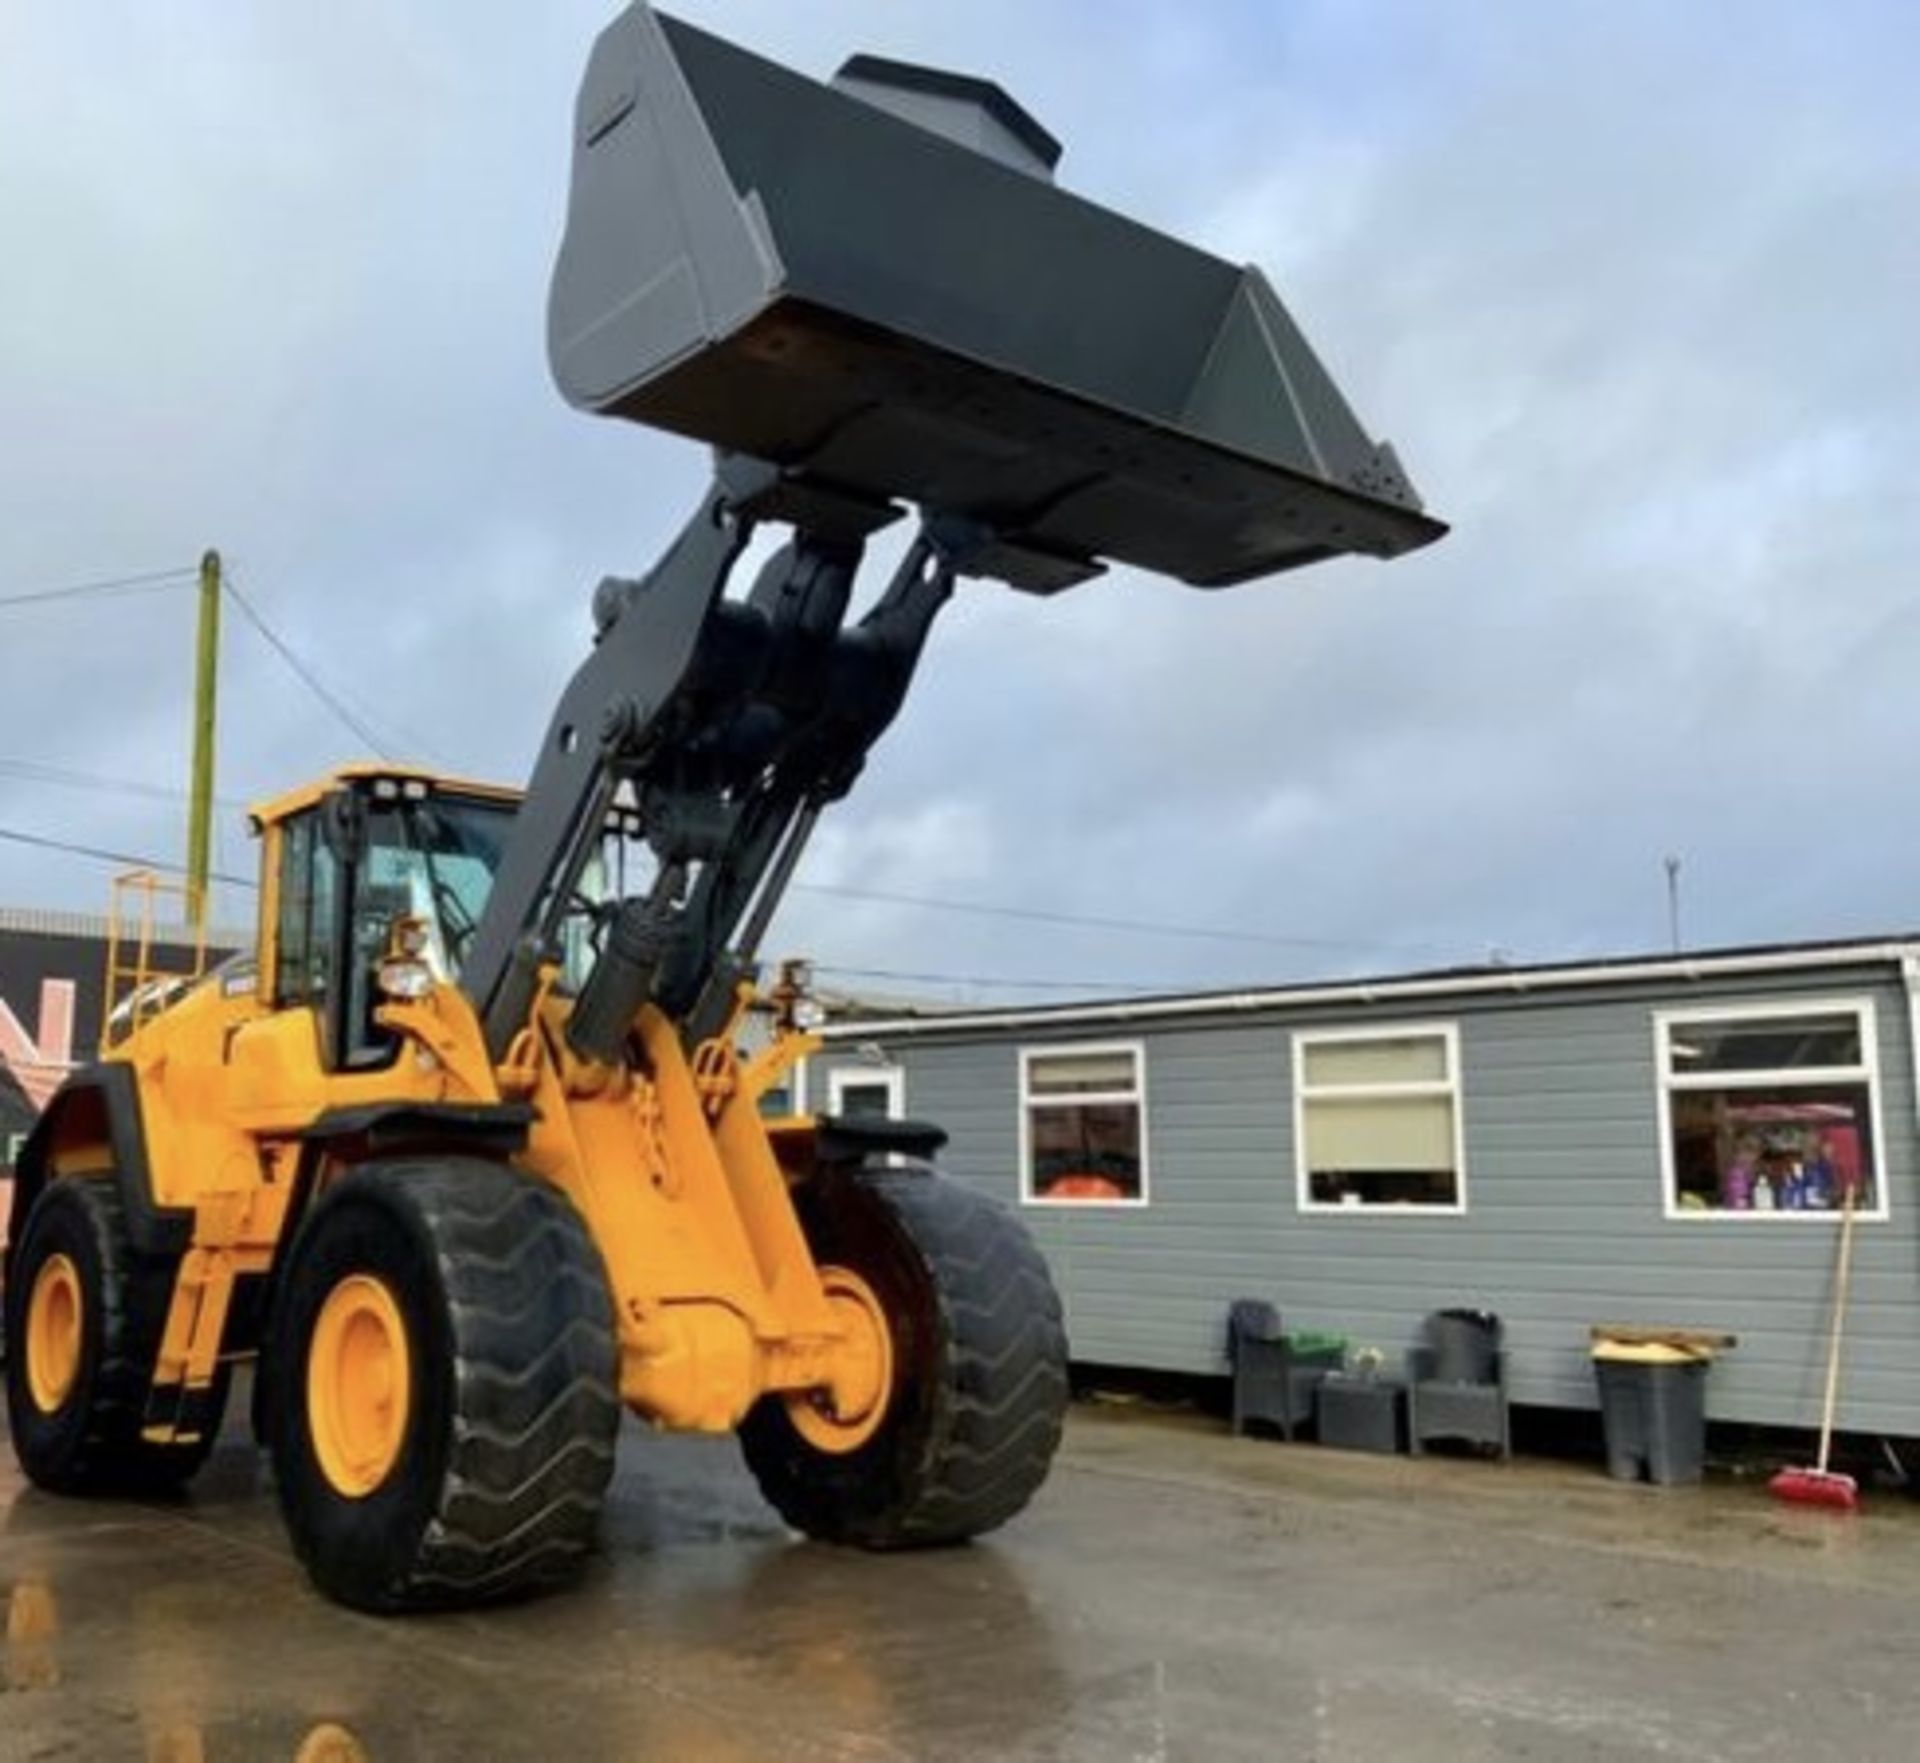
1649,1140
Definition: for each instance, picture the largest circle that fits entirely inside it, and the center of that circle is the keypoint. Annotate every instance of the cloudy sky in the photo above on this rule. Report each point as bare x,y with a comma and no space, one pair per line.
1632,287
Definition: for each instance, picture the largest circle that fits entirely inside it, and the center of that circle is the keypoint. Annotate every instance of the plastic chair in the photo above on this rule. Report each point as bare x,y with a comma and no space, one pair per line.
1457,1383
1274,1382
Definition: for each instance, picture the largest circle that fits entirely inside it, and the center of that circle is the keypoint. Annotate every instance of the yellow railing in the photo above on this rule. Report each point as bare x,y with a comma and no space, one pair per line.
146,971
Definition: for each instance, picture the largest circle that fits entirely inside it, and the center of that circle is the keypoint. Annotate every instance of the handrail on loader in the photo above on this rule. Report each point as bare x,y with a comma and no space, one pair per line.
148,962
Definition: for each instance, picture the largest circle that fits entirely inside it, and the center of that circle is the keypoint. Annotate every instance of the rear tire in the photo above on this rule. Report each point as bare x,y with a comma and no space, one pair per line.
979,1369
80,1432
491,1482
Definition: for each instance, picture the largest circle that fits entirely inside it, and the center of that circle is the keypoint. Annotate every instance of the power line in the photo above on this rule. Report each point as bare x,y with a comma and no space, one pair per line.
128,859
403,736
32,771
407,737
985,982
898,976
113,584
351,710
312,681
1136,926
101,854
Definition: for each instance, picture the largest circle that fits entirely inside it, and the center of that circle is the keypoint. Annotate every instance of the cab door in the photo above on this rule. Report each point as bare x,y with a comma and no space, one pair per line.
277,1063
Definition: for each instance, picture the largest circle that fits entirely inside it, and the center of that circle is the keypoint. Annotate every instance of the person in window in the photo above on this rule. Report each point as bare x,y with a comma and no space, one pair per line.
1084,1187
1736,1180
1819,1186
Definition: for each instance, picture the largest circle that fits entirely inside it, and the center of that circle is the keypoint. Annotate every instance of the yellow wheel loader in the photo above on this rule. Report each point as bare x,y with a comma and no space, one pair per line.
470,1152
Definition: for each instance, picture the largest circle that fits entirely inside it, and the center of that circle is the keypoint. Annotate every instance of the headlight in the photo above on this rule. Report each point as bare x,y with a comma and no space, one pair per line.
808,1013
404,977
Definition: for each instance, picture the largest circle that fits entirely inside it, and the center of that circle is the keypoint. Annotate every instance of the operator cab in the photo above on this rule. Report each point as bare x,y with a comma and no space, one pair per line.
346,860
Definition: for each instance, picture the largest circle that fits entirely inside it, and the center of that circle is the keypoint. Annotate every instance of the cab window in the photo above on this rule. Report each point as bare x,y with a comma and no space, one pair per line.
309,893
430,860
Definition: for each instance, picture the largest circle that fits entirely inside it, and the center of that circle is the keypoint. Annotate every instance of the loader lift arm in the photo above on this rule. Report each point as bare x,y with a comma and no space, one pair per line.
732,723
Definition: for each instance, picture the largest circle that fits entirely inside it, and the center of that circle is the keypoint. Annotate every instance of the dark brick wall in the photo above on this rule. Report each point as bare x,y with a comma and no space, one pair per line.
29,961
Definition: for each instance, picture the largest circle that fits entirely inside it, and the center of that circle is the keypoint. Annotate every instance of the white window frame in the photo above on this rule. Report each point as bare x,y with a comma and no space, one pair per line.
894,1077
1137,1096
1867,1072
1450,1086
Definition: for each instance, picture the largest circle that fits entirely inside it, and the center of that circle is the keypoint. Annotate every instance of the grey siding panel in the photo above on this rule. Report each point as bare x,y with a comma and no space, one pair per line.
1565,1223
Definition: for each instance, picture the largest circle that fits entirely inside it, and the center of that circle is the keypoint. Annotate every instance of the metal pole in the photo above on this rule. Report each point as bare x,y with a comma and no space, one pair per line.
206,672
1673,901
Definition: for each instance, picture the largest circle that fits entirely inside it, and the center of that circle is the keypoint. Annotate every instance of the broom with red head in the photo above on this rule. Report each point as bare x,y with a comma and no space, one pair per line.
1819,1485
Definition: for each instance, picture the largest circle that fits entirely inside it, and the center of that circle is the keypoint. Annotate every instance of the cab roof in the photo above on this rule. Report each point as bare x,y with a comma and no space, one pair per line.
361,772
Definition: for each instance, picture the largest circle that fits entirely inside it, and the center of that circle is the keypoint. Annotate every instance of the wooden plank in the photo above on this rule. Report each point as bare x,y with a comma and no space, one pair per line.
1691,1340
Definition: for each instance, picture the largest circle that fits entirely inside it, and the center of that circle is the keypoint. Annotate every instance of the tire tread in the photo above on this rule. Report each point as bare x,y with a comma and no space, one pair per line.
535,1408
999,1380
112,1457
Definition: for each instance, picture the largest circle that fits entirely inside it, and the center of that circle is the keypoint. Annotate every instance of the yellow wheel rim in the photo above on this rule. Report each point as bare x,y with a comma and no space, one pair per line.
330,1742
54,1312
359,1385
846,1411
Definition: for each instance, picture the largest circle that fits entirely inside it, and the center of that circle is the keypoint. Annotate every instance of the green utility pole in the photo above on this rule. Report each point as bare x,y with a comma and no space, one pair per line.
206,672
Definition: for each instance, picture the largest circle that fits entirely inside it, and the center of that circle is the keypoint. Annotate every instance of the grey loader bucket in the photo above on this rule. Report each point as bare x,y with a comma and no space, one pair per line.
878,285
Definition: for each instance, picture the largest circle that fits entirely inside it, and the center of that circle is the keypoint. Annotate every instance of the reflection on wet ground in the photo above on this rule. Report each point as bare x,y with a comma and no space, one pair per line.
1174,1594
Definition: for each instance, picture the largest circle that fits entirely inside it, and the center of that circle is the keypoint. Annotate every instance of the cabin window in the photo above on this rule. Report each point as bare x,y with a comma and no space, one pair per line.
1377,1120
1083,1125
1770,1111
304,936
867,1092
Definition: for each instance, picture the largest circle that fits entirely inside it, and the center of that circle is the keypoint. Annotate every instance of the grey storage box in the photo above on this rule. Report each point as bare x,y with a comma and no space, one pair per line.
1363,1413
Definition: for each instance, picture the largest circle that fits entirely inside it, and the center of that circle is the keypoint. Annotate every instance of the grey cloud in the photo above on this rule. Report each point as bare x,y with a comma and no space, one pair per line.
1631,290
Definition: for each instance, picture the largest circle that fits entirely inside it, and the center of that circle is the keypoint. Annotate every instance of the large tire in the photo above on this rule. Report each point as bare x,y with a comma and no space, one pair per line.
979,1369
504,1441
87,1439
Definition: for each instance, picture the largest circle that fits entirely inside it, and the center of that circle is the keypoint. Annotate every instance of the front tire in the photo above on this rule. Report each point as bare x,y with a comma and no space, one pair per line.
84,1316
445,1404
978,1372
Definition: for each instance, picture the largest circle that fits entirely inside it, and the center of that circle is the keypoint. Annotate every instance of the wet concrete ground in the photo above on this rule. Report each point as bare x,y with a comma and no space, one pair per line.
1173,1594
